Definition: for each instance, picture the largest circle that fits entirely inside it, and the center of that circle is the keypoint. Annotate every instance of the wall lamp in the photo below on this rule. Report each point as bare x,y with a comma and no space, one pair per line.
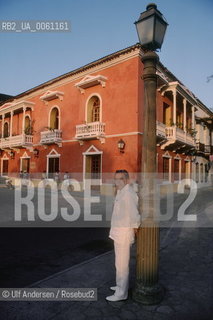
12,154
36,153
121,145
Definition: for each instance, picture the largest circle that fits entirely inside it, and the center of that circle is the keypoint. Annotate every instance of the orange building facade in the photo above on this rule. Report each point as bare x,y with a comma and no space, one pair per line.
90,121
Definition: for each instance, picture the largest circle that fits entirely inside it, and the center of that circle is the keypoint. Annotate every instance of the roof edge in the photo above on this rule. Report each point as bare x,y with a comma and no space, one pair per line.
78,70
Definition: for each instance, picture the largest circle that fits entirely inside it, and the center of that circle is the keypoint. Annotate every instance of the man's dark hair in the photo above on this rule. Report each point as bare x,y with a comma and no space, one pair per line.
126,174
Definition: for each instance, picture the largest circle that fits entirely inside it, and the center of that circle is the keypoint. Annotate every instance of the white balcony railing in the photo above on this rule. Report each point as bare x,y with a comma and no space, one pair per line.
161,129
177,134
90,130
22,140
48,137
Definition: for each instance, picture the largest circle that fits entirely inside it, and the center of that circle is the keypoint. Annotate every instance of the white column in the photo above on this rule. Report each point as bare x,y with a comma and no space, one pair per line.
193,117
184,115
198,135
23,120
180,169
174,105
170,169
2,127
11,123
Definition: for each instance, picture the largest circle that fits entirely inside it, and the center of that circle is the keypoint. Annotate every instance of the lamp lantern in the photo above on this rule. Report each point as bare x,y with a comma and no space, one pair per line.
151,28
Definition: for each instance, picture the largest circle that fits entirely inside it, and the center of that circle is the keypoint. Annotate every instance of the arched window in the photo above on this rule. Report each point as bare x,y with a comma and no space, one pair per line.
27,125
6,130
201,173
197,172
54,118
93,109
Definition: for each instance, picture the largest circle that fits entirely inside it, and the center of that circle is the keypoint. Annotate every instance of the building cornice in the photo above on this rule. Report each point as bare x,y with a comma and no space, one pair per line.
102,63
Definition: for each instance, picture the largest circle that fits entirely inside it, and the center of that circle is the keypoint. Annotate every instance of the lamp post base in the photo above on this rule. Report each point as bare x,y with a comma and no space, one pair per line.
148,295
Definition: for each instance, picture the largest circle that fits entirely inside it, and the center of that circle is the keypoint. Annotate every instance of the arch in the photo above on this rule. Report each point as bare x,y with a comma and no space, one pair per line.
93,108
6,129
197,172
54,118
201,172
27,124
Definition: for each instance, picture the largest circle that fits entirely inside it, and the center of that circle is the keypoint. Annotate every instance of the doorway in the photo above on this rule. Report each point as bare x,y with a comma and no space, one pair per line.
5,165
25,165
53,166
187,169
93,168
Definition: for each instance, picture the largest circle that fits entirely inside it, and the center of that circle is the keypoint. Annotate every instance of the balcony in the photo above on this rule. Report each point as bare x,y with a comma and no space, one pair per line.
200,147
160,132
51,137
208,149
203,148
90,131
175,133
177,138
18,141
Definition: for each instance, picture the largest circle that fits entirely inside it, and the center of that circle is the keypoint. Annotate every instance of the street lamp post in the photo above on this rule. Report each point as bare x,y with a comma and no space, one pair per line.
151,28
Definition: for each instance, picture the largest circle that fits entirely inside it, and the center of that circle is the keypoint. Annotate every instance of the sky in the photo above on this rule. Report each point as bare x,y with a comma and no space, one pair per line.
98,28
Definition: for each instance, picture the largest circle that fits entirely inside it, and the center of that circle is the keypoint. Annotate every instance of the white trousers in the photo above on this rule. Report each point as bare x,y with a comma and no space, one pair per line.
122,257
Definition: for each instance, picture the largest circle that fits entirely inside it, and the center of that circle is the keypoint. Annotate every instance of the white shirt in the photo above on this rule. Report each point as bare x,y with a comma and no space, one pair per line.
125,215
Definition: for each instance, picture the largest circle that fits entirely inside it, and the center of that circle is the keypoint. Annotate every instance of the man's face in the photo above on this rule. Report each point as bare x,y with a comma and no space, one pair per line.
120,180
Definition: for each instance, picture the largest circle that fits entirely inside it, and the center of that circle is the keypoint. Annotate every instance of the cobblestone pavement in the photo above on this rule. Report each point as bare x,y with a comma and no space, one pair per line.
186,265
185,271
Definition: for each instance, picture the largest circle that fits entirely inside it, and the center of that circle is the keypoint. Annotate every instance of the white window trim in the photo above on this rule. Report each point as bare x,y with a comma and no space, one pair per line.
26,116
50,95
53,154
59,116
5,157
167,155
177,157
89,153
24,156
90,81
86,106
190,173
6,121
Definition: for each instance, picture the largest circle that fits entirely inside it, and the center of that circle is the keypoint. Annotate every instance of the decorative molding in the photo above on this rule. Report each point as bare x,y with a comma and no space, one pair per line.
187,159
90,81
54,84
5,157
177,157
51,95
166,155
25,155
92,150
53,153
8,107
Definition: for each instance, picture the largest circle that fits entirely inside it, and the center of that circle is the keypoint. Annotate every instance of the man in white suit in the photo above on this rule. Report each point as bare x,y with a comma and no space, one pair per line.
124,225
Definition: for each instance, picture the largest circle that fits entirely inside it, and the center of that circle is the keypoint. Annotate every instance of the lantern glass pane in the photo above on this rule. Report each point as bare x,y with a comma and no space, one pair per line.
160,29
145,30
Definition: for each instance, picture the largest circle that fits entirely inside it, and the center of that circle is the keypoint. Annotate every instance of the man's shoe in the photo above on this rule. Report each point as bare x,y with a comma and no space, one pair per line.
114,298
113,288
